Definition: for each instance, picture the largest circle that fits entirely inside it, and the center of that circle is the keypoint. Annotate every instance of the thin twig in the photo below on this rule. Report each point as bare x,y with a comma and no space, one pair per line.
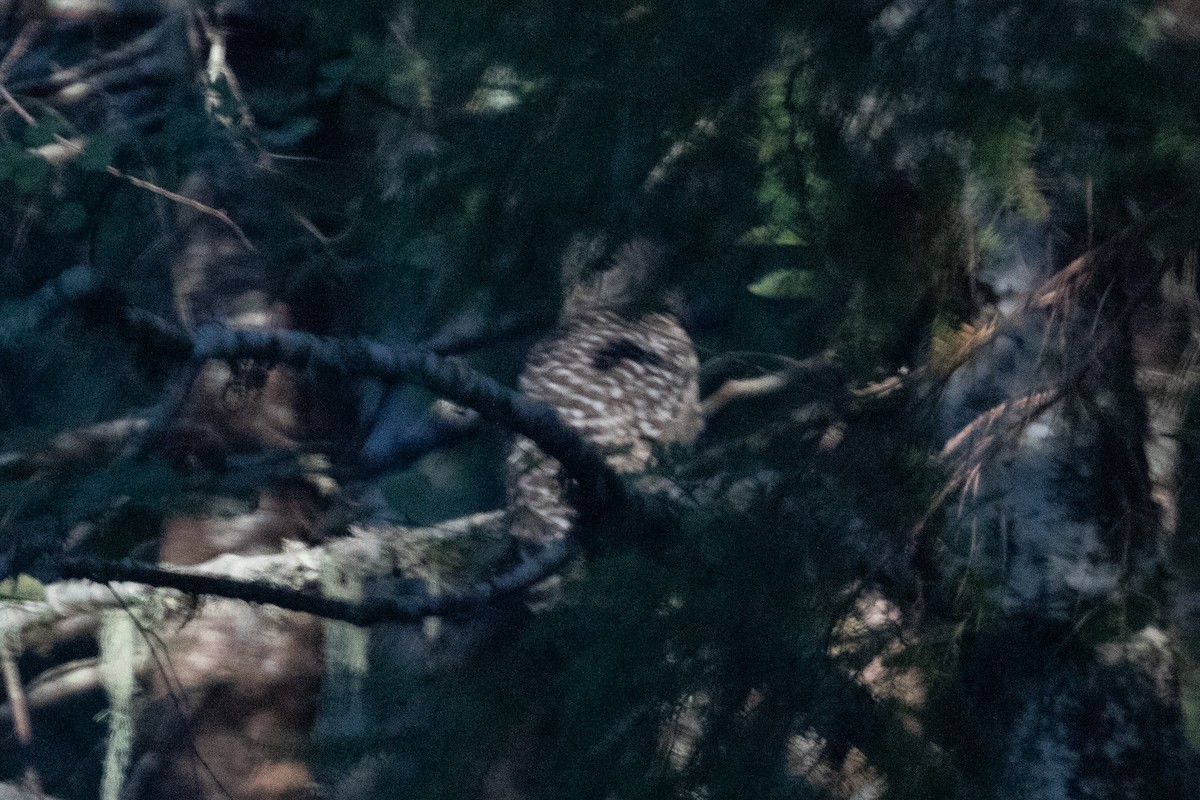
192,203
22,725
216,213
24,38
12,101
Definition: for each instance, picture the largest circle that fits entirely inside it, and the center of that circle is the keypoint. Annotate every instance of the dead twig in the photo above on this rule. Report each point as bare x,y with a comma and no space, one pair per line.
75,148
22,725
61,683
28,33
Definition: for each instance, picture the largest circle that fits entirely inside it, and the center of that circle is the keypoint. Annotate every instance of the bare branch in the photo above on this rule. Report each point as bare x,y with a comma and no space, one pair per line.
526,573
598,485
59,684
68,85
73,449
742,389
28,33
103,303
734,377
22,725
21,317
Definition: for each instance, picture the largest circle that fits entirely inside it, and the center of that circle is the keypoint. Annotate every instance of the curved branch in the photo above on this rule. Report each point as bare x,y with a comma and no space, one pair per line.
409,608
474,331
22,317
102,303
598,485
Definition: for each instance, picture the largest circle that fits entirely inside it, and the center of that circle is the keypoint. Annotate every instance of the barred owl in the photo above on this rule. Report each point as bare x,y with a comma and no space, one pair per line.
620,372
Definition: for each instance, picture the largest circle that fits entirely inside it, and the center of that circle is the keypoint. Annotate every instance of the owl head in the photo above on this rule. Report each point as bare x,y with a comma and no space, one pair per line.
627,282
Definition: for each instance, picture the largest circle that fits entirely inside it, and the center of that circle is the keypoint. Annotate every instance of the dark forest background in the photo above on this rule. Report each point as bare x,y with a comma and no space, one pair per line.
939,538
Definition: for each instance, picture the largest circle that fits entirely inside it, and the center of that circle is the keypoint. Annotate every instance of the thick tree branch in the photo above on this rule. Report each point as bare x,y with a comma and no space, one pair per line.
101,303
73,449
21,317
372,611
598,486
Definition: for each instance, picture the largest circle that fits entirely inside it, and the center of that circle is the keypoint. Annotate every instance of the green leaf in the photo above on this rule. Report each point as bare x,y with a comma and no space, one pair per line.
42,132
31,174
98,153
22,587
790,284
1006,158
67,218
764,235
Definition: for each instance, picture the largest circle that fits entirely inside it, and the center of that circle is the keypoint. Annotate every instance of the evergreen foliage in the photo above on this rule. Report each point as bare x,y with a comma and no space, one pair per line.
844,184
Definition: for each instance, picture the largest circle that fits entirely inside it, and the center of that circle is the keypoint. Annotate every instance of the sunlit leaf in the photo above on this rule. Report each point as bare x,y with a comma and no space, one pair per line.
764,235
791,284
22,587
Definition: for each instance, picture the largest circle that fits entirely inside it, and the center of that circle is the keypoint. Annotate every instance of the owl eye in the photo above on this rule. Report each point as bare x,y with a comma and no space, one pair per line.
619,350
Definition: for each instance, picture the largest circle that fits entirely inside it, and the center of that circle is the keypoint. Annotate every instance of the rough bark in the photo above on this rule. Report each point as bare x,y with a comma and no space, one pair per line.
1061,538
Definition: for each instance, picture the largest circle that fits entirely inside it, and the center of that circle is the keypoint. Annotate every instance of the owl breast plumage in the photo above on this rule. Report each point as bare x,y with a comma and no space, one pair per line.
628,386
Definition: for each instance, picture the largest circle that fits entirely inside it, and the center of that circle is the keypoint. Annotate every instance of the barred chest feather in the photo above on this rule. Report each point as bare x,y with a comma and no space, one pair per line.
629,387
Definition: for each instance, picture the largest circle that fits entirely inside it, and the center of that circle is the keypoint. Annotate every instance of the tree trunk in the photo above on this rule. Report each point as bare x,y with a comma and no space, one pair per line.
1060,540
